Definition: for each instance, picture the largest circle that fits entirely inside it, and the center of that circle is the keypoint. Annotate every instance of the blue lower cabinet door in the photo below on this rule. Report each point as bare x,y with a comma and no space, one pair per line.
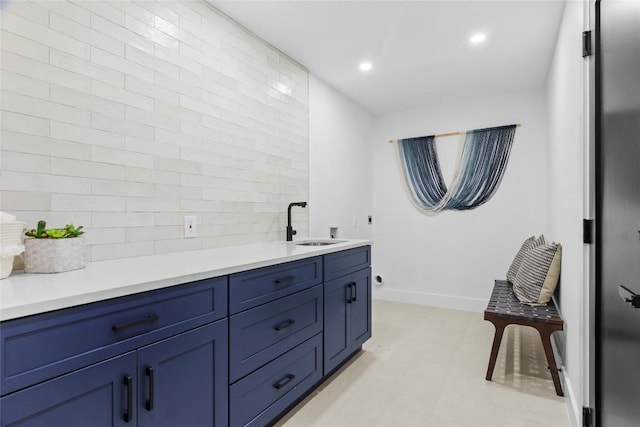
337,340
360,308
101,395
183,380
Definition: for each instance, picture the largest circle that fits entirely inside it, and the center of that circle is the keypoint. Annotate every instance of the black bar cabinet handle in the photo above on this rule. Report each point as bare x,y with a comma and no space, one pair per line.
128,412
284,381
284,324
349,294
287,280
354,291
150,376
149,319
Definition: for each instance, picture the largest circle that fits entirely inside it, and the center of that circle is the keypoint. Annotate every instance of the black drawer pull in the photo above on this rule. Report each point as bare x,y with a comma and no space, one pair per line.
128,412
284,324
354,292
284,381
150,376
285,281
149,319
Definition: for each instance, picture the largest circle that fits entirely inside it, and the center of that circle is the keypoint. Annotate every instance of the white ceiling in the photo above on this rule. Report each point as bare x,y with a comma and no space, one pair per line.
420,50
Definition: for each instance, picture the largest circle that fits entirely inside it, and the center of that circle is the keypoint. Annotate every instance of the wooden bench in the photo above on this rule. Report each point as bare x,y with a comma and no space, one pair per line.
505,309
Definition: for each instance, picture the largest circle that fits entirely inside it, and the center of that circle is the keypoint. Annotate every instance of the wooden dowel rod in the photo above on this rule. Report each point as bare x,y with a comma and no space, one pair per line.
440,135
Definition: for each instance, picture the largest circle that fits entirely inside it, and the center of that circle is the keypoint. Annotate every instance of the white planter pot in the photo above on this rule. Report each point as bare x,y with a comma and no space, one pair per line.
53,255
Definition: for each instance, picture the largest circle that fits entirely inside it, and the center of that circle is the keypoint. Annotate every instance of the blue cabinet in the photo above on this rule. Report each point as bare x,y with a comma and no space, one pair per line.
182,381
347,313
154,359
236,350
93,396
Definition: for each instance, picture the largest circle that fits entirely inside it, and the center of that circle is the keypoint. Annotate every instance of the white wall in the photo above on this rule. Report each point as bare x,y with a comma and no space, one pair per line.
451,259
125,116
340,157
565,193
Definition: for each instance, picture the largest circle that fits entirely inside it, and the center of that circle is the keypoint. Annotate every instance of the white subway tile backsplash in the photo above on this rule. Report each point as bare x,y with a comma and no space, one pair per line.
12,161
11,201
126,116
124,96
154,176
152,119
86,135
150,146
102,236
24,85
122,250
23,181
65,96
121,219
149,32
67,9
103,9
85,68
24,46
42,34
119,188
141,234
34,144
118,32
40,108
86,203
81,168
121,157
38,70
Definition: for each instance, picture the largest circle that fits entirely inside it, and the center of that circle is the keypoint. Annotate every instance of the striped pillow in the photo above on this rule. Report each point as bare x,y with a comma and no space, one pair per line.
531,242
538,275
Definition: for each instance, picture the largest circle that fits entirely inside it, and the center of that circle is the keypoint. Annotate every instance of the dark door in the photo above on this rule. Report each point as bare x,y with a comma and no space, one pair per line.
618,212
100,395
183,380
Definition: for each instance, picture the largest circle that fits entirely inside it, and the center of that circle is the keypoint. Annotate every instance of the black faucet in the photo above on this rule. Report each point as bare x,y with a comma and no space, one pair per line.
290,230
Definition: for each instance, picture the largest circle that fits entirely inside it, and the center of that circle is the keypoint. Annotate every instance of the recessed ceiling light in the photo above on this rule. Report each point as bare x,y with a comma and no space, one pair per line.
478,38
366,66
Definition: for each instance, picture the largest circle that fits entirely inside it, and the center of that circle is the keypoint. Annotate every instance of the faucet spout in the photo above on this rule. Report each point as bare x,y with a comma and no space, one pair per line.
290,231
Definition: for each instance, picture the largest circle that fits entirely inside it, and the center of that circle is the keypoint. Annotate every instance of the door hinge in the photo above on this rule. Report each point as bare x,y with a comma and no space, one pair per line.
586,44
587,231
587,416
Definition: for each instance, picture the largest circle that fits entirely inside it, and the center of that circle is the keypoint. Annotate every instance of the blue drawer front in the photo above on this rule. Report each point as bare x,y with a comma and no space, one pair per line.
255,287
341,263
261,334
40,347
257,399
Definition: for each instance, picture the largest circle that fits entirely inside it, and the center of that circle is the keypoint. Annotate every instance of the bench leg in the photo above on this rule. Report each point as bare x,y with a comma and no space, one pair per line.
545,335
497,339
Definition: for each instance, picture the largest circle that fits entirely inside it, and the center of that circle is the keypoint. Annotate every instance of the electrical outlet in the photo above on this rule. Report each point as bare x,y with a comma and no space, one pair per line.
190,227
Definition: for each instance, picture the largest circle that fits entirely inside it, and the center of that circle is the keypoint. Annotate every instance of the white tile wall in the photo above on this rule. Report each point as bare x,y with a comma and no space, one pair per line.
125,116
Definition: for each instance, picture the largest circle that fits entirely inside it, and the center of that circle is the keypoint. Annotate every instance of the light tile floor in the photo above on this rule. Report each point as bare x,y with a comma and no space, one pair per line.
426,366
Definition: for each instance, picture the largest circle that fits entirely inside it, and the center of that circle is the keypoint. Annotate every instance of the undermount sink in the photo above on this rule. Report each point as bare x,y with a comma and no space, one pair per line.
318,242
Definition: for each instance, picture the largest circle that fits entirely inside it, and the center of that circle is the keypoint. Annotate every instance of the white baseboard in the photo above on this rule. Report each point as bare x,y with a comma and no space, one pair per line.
433,300
574,409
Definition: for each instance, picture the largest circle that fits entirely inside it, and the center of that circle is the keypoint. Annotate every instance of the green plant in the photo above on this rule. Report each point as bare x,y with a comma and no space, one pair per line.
54,233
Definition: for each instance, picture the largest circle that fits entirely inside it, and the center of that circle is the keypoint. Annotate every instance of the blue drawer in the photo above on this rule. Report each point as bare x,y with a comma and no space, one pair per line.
43,346
258,398
263,333
341,263
251,288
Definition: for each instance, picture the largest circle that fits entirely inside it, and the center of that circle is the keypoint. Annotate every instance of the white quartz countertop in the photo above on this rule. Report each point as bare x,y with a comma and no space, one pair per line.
27,294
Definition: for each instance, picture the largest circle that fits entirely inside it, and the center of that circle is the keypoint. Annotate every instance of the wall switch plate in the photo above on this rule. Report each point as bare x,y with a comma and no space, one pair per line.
190,226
